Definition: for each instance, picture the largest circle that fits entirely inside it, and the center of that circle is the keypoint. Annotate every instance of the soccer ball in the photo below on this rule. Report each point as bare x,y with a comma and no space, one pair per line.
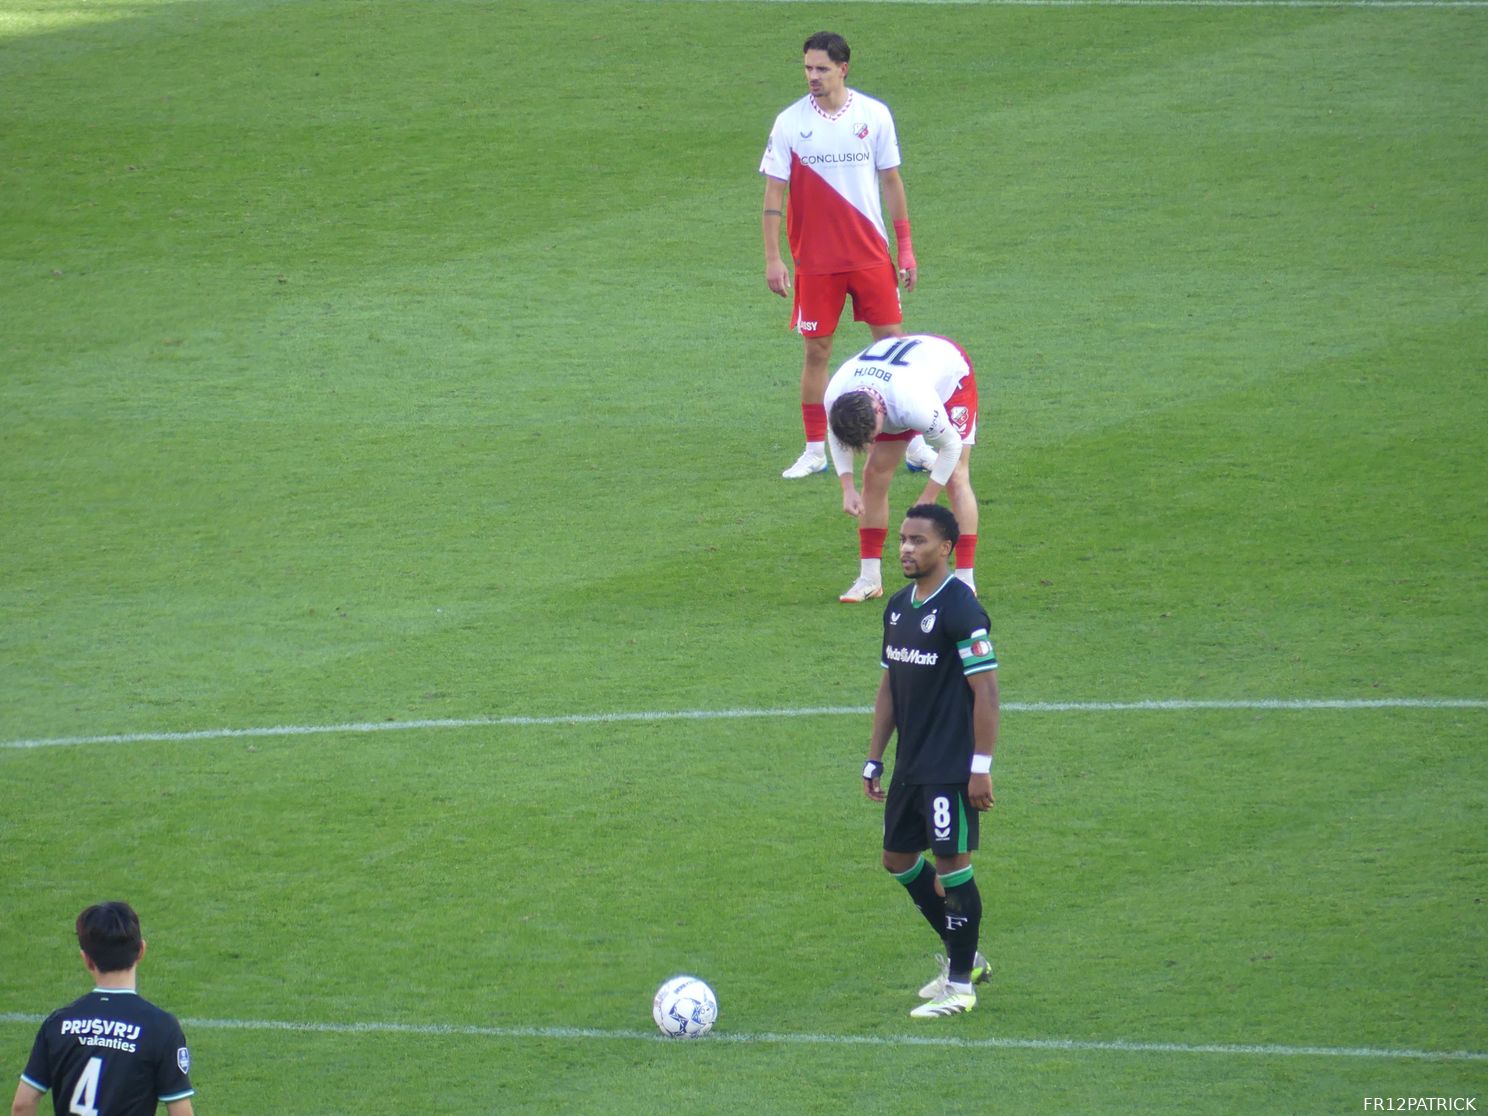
684,1007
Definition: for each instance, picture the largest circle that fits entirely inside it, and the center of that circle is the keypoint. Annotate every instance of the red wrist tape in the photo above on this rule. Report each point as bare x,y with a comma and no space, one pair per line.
906,246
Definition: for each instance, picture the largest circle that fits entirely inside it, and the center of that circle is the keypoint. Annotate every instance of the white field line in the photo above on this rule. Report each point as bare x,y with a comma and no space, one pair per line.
355,727
1119,1046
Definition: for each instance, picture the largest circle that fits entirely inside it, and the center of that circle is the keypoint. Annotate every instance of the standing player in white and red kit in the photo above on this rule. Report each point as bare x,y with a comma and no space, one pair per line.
876,402
834,149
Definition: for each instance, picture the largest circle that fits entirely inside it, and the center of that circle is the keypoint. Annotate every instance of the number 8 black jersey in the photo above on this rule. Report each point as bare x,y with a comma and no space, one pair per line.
110,1053
930,648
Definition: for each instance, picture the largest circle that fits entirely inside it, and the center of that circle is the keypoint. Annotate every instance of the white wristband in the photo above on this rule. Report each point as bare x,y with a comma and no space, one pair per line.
980,764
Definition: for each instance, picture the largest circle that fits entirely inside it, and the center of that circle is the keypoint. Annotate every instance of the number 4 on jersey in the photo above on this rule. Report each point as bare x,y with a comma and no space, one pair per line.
85,1096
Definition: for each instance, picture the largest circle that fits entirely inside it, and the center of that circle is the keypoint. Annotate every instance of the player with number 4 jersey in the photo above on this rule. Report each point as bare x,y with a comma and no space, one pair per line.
111,1052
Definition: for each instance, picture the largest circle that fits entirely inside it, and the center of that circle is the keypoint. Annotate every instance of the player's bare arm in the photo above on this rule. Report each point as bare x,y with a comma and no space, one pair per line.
896,202
843,461
27,1100
878,740
777,275
852,500
180,1108
984,718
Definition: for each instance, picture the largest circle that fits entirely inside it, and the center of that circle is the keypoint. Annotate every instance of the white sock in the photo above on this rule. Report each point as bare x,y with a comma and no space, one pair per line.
967,575
817,447
871,569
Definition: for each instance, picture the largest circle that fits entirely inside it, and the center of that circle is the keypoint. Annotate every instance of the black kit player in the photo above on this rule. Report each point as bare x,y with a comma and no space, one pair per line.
939,693
112,1052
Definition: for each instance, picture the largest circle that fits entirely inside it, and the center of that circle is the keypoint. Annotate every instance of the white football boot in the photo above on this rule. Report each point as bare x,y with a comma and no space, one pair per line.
809,463
862,590
954,1002
981,972
919,457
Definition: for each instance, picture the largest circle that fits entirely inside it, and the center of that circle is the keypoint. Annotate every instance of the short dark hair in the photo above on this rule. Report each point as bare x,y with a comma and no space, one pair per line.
831,42
940,515
109,933
853,418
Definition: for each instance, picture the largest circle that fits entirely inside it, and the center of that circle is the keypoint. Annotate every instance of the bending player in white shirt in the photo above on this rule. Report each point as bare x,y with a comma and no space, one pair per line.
877,402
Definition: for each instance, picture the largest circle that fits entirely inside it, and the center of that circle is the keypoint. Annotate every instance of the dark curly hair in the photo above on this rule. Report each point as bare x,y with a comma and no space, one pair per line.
853,419
941,516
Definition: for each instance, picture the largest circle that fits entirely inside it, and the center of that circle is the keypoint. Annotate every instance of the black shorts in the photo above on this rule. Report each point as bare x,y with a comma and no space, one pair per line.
935,816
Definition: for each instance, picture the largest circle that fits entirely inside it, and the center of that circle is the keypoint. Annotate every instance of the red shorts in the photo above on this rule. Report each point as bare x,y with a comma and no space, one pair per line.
820,298
961,409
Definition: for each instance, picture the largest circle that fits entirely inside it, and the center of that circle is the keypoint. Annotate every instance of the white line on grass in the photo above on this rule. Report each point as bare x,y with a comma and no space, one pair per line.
1161,706
1118,1046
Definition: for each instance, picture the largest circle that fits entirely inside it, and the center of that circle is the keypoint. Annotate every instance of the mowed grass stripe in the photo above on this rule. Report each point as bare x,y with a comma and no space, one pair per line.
1141,706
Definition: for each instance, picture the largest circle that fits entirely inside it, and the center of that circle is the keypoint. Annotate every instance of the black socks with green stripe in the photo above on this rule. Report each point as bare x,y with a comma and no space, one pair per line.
963,923
919,881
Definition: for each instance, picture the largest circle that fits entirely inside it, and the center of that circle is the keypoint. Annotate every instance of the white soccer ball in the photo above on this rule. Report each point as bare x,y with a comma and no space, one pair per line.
684,1007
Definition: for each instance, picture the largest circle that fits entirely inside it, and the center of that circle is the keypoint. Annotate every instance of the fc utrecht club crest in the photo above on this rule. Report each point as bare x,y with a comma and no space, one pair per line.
862,132
928,623
958,417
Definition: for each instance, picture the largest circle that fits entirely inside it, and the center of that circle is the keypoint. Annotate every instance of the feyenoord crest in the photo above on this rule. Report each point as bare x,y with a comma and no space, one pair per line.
928,623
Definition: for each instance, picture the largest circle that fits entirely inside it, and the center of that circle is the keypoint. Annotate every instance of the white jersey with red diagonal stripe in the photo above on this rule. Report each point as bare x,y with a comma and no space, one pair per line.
834,215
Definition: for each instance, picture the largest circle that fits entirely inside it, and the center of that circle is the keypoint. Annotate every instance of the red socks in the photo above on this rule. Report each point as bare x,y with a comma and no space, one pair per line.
966,552
814,419
871,541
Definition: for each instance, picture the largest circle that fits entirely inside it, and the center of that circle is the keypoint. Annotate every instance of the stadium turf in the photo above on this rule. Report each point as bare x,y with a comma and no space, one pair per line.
405,373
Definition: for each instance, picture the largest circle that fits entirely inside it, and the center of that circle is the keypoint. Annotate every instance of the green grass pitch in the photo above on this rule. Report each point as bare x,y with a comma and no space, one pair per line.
366,363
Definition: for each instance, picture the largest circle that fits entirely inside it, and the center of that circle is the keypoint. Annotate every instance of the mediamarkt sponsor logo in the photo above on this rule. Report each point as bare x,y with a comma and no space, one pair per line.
834,157
911,656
